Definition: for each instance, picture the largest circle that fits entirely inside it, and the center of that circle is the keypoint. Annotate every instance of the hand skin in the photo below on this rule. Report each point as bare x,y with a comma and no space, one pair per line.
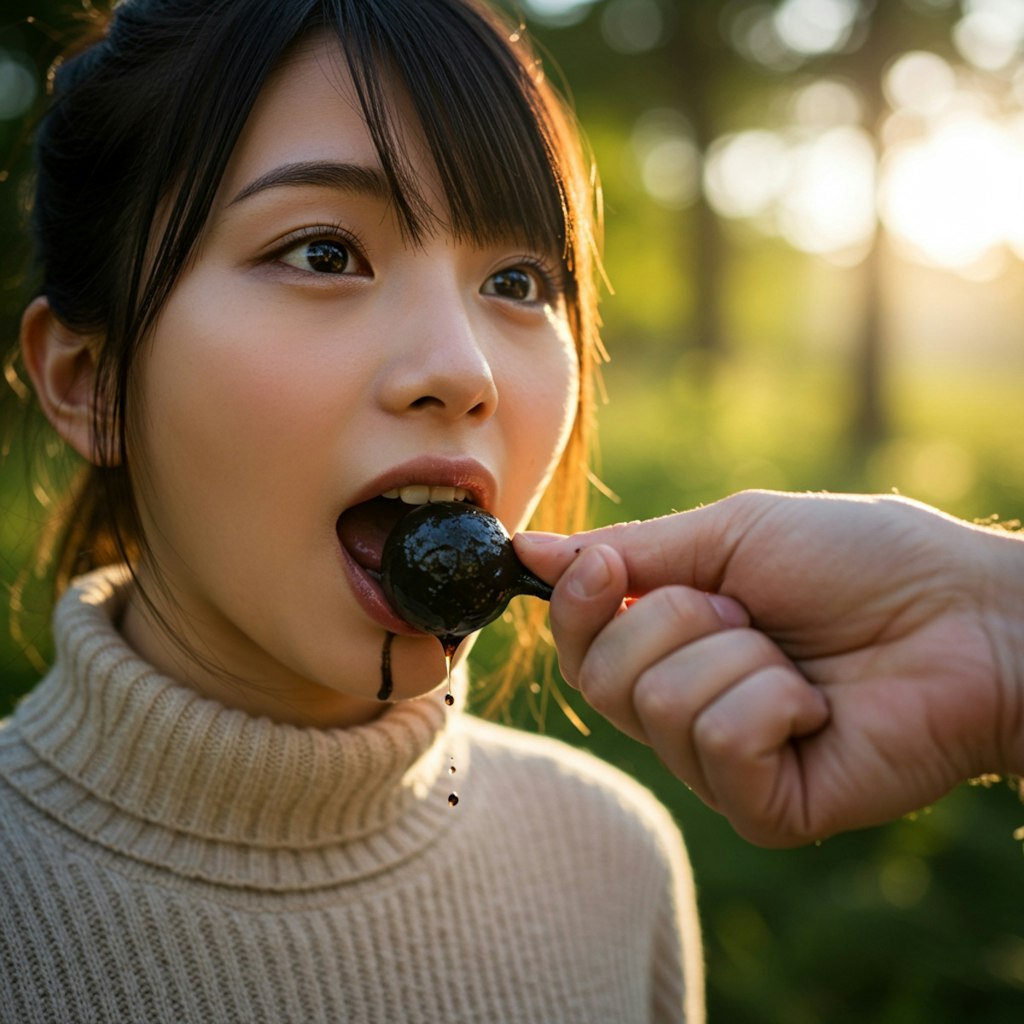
807,664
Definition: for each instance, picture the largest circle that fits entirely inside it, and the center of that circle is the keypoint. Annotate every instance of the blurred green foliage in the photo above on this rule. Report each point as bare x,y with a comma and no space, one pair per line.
737,361
913,922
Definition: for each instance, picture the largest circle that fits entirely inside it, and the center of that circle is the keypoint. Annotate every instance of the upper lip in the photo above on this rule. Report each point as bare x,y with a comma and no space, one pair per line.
434,471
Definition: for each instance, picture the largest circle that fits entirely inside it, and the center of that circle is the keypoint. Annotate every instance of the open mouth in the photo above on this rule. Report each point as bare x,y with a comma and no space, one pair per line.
364,528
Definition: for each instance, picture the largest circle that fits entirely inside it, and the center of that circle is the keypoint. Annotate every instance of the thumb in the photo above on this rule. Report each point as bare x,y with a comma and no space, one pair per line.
688,548
546,554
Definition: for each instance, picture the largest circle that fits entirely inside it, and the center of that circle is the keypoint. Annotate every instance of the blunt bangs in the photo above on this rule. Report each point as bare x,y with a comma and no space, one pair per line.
495,134
489,129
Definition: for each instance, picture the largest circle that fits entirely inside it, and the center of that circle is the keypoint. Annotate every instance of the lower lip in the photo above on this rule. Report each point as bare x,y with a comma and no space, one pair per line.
371,597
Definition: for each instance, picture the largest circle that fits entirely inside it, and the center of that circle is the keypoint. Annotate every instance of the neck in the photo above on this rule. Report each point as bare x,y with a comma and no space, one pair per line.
291,701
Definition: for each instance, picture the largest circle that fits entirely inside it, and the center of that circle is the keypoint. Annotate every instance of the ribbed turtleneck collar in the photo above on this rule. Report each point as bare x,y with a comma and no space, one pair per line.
134,761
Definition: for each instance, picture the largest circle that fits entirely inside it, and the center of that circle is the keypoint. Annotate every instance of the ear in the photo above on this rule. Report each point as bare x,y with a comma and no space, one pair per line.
62,366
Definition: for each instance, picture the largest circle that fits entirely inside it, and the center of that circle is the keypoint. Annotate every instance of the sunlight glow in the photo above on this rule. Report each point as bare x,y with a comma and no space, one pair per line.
745,173
816,191
948,187
955,195
943,174
828,205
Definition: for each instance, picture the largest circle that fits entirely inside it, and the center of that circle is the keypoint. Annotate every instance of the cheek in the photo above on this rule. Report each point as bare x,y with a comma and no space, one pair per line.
548,389
201,400
555,385
228,411
230,376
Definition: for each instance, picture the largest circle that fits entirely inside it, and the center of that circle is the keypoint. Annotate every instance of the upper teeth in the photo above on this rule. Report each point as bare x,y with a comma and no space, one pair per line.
420,494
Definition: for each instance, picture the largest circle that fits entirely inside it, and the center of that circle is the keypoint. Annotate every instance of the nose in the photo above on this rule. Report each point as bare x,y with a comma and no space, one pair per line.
440,368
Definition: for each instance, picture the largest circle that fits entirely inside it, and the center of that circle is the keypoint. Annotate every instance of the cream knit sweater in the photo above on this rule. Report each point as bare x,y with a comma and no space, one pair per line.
166,859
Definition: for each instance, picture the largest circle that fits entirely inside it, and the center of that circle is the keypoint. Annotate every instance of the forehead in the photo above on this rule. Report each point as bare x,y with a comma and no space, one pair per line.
460,132
308,112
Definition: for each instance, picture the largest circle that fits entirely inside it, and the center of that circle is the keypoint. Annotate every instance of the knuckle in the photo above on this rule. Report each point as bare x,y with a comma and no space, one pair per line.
788,687
682,605
595,684
716,733
658,696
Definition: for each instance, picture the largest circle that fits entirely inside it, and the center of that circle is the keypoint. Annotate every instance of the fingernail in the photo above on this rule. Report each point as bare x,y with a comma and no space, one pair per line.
729,610
539,537
590,574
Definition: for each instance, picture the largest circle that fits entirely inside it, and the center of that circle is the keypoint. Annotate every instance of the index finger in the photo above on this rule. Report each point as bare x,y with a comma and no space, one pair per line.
688,548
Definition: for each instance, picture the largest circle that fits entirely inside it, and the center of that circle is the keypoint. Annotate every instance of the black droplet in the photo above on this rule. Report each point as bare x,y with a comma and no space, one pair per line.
449,699
448,568
453,799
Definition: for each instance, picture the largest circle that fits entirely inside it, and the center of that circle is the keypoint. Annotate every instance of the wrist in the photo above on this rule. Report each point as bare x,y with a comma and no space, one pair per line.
1003,611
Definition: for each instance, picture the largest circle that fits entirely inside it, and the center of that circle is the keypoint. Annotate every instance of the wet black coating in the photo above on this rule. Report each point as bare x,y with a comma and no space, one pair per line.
387,683
448,568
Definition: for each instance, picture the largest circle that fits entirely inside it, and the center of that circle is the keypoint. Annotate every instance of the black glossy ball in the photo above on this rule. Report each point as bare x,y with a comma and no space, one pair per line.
448,569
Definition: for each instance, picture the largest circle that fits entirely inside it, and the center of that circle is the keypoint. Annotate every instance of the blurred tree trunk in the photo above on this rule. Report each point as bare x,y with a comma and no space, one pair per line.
692,56
891,29
870,420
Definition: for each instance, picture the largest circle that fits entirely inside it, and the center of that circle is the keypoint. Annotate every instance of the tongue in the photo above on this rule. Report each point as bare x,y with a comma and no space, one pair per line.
364,528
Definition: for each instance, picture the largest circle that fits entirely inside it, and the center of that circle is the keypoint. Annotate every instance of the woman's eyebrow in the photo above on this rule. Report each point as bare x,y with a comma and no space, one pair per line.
344,176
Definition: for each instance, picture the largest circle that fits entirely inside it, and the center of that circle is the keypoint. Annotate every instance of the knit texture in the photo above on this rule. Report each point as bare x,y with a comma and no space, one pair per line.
166,859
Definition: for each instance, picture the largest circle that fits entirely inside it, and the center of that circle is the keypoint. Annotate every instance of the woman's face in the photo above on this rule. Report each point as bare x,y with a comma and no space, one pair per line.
310,360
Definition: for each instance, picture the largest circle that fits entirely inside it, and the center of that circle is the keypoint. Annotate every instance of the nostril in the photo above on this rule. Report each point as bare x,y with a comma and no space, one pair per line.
427,402
430,402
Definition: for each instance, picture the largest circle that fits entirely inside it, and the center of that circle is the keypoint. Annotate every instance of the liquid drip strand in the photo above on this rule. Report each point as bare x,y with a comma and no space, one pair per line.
449,645
449,650
386,682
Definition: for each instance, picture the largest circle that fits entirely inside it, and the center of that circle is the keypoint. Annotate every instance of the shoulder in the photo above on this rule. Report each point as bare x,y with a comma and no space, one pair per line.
596,857
556,762
546,779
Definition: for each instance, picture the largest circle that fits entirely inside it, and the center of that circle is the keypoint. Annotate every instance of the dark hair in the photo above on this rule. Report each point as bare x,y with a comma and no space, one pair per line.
144,118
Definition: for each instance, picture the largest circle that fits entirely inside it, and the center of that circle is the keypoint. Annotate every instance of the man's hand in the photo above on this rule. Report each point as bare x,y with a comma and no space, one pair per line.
808,664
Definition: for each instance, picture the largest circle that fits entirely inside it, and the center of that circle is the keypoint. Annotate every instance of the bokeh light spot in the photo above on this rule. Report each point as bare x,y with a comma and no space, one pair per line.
815,26
920,82
826,103
904,880
17,87
632,26
745,172
667,157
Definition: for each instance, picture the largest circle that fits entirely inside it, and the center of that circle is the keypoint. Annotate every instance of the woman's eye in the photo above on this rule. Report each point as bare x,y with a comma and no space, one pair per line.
320,256
520,284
